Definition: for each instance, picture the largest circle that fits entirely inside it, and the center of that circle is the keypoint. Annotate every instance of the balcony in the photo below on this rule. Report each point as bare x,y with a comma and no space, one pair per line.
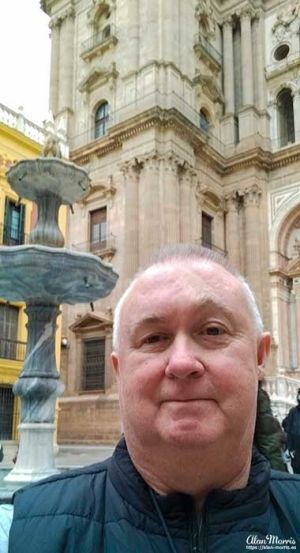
98,43
105,249
207,52
11,236
210,246
12,349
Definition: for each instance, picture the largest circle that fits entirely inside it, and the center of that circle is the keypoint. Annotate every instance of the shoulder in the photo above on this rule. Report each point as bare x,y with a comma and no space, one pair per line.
64,491
285,488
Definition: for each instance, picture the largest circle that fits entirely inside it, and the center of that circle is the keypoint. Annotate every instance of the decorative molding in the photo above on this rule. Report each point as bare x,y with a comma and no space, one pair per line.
282,198
102,189
98,9
252,196
208,85
97,76
205,16
91,322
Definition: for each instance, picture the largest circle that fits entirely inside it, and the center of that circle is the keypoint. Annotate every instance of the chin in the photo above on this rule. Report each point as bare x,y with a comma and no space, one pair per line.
189,436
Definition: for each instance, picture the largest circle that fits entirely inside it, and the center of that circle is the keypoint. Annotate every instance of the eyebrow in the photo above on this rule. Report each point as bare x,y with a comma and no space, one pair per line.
203,304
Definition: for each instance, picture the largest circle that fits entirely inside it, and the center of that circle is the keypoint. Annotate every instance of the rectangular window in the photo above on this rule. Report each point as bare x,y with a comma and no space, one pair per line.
8,331
98,229
6,412
93,364
13,232
207,221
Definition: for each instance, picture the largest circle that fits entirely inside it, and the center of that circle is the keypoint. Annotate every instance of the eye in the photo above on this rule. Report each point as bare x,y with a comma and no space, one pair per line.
214,330
155,339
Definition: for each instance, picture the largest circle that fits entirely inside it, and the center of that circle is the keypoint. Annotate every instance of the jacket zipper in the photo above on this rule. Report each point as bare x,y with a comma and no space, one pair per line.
198,533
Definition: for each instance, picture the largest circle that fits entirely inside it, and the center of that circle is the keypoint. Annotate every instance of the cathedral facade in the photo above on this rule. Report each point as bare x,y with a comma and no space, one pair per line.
186,114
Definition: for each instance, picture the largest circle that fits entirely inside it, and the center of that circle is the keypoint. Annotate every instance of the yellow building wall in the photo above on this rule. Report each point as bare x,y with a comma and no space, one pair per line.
14,146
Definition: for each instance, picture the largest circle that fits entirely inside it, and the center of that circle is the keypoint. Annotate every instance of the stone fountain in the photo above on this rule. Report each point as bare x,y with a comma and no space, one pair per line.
44,275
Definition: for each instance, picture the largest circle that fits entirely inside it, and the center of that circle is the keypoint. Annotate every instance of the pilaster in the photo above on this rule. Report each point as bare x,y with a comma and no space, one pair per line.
54,25
131,171
296,105
66,60
252,241
169,181
232,226
247,57
149,208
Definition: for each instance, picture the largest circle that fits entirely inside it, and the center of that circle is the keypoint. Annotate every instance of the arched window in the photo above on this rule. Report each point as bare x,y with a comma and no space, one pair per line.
101,120
204,120
286,129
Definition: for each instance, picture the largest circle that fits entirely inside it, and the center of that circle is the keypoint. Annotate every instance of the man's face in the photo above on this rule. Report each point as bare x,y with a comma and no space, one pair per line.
187,358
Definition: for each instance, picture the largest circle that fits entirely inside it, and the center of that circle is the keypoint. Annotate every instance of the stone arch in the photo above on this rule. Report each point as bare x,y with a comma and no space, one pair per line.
205,118
285,231
100,118
284,275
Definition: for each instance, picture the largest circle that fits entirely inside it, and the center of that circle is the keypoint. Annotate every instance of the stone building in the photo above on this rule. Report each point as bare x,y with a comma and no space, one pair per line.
187,115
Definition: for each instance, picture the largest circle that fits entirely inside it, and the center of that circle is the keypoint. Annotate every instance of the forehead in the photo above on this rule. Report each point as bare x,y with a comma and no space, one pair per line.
165,286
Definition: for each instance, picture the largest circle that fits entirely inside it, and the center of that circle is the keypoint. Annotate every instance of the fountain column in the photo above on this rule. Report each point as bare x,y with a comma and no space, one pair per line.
38,387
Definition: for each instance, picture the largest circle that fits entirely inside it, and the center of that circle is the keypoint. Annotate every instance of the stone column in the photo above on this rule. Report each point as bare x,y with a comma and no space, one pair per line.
232,229
296,290
247,58
252,241
186,211
296,105
272,108
54,64
66,64
196,202
260,61
131,172
228,124
169,187
149,209
228,66
200,195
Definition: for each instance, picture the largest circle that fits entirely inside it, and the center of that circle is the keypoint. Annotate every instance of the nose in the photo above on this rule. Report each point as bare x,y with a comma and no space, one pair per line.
183,361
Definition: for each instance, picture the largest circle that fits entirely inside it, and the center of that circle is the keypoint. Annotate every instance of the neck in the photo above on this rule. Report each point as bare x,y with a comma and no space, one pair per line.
192,472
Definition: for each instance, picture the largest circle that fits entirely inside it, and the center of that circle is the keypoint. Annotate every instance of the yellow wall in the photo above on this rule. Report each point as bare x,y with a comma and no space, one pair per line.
14,145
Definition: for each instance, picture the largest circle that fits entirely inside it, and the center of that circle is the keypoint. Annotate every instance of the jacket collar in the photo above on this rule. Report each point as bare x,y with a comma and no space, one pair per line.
224,506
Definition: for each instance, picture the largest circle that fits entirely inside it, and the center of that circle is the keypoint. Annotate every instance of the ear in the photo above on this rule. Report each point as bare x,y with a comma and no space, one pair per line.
115,363
263,352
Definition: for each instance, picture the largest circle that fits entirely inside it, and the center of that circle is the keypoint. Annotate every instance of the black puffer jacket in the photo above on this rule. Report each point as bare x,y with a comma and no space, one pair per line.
108,508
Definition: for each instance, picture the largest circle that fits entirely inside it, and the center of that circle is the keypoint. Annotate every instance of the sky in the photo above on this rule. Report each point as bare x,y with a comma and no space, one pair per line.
24,58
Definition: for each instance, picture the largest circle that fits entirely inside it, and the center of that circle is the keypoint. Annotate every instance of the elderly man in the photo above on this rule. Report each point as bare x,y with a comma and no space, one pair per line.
188,352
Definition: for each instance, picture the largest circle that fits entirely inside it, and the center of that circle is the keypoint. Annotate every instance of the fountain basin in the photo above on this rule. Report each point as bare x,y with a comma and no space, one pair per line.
30,178
38,274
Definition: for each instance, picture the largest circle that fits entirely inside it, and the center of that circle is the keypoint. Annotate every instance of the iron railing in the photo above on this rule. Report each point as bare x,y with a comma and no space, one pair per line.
97,39
98,247
211,246
12,349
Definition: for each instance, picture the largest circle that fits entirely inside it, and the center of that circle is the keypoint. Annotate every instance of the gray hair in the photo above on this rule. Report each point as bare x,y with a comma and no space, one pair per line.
189,252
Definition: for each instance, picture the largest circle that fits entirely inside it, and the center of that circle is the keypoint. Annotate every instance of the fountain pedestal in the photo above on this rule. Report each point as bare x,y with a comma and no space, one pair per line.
45,275
38,388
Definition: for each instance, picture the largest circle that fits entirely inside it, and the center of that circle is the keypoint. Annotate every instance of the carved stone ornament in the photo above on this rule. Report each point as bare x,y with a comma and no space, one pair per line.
205,15
99,8
283,27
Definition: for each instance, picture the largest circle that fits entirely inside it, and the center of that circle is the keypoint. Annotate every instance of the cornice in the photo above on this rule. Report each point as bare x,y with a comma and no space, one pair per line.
173,119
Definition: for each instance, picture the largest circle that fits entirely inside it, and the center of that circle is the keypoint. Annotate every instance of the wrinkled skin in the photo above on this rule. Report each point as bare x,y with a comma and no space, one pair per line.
187,366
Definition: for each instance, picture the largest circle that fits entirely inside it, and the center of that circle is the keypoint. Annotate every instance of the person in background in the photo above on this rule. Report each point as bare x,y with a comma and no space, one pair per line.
291,425
269,437
189,349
